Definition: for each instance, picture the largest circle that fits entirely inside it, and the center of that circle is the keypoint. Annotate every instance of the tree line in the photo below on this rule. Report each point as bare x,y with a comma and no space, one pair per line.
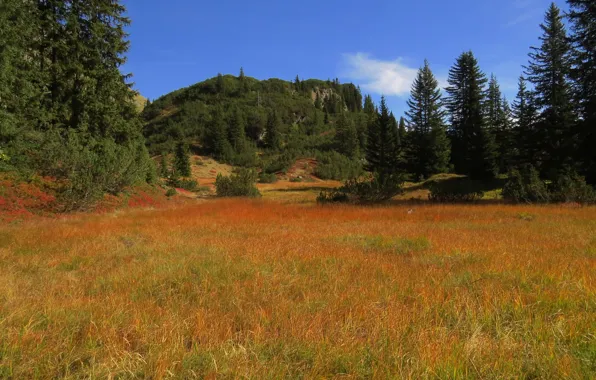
474,130
66,110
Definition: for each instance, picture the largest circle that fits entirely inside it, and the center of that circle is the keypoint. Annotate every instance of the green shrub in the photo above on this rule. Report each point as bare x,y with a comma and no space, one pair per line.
571,187
241,184
184,183
336,166
455,190
525,186
92,167
171,192
267,178
365,190
296,179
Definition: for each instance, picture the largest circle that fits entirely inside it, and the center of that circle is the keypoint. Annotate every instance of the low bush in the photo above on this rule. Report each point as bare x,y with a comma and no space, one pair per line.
171,192
365,190
184,183
267,178
336,166
455,190
525,186
571,187
240,184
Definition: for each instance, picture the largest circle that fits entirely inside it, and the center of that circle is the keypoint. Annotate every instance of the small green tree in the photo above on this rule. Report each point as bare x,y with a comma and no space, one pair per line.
182,161
272,133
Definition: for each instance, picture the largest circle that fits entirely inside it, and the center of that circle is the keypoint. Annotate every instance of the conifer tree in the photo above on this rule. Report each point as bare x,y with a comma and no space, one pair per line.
582,15
498,116
272,133
346,136
524,114
381,146
236,130
218,136
428,148
19,108
181,160
473,150
403,132
548,70
164,170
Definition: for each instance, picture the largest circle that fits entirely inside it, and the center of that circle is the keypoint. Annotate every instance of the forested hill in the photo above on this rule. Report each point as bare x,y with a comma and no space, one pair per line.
230,116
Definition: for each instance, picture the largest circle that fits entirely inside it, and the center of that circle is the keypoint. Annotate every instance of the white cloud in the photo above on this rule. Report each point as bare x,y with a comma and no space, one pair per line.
391,78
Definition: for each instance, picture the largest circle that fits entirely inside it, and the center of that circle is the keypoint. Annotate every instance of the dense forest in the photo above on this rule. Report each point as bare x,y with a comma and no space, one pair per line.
67,111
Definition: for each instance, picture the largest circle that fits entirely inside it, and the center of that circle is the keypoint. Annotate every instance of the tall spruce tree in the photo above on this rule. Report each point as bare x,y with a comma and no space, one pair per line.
498,117
19,93
582,15
272,131
218,136
524,114
381,149
548,70
236,130
473,150
346,136
428,148
181,160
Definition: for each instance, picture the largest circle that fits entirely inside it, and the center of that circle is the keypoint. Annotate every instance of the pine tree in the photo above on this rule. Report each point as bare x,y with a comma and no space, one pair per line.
582,15
272,133
164,170
243,81
381,146
19,108
428,146
369,106
473,149
505,138
498,117
548,70
318,104
346,136
403,132
236,130
218,136
181,160
524,114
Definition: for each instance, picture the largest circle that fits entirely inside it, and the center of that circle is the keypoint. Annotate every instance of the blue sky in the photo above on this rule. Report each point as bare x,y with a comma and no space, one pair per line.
377,44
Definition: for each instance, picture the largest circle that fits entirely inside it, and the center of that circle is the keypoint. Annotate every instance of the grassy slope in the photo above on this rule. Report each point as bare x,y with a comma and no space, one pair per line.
262,289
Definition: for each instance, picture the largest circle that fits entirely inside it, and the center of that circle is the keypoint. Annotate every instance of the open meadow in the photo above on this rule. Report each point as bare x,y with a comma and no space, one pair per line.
264,289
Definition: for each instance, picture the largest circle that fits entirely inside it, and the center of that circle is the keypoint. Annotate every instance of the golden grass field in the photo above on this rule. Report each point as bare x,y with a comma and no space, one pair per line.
266,289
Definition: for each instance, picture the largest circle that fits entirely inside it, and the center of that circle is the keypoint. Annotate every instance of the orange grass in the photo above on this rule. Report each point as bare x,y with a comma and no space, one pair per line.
260,289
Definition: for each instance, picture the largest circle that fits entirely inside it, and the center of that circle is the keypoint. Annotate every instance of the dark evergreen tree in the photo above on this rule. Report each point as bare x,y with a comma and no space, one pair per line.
182,161
272,132
20,110
318,103
473,150
498,120
164,170
236,130
381,146
403,132
582,15
218,136
346,136
524,114
369,106
428,148
548,70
